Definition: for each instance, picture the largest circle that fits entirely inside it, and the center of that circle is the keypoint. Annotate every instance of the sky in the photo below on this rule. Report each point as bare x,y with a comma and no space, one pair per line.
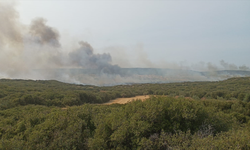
151,33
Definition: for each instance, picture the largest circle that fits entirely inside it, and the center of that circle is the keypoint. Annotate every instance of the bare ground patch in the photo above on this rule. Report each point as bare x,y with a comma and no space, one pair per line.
126,100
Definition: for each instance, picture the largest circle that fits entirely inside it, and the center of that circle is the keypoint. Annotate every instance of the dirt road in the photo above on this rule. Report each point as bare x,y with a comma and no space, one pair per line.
126,100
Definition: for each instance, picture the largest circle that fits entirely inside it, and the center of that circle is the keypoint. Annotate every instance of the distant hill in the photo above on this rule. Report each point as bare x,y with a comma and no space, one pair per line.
230,73
121,76
140,75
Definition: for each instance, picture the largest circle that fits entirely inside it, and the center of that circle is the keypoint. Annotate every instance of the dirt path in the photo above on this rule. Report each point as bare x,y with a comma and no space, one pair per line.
126,100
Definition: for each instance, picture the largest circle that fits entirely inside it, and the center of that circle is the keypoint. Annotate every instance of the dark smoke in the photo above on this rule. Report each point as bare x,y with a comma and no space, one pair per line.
84,57
44,34
35,52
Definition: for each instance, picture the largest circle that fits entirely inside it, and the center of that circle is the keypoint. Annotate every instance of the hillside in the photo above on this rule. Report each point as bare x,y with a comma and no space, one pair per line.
55,115
118,76
53,93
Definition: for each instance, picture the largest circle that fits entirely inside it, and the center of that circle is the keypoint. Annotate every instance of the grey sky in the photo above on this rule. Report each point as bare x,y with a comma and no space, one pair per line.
185,32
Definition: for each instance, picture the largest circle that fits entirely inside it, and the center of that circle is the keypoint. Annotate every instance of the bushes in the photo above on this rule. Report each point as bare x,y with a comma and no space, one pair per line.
247,98
44,128
53,93
157,123
241,96
238,139
144,124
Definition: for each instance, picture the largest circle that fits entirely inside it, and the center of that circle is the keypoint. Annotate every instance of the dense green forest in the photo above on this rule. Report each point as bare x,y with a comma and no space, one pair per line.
53,93
36,115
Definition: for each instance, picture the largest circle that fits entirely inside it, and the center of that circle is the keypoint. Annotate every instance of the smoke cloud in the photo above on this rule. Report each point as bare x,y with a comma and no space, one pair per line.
228,66
9,27
43,34
34,52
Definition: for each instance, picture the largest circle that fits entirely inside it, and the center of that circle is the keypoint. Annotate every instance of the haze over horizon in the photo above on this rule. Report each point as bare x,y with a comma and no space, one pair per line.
170,32
109,35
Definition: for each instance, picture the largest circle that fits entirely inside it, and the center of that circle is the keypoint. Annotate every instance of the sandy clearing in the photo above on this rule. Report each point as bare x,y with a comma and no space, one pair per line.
126,100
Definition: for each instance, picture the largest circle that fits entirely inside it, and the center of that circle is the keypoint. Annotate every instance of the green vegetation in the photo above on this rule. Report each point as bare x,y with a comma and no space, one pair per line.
215,116
53,93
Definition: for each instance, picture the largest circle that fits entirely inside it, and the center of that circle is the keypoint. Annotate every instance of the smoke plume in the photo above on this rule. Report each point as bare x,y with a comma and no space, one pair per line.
228,66
43,34
34,52
9,27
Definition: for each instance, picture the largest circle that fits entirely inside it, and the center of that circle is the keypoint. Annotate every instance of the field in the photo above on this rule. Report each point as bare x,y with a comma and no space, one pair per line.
185,115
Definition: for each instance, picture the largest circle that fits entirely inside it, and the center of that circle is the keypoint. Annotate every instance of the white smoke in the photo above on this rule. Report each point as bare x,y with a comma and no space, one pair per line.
34,52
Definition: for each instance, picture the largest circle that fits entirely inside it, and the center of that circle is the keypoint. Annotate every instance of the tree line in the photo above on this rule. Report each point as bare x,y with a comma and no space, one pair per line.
53,93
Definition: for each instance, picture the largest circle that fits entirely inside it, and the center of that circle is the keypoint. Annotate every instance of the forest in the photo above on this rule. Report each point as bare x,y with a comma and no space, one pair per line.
39,114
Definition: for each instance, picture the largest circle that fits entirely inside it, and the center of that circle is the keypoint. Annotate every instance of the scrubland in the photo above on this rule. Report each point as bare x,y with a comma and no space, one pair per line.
55,115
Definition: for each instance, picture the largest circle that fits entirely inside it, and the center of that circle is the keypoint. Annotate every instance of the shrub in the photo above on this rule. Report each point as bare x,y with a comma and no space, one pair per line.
247,98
